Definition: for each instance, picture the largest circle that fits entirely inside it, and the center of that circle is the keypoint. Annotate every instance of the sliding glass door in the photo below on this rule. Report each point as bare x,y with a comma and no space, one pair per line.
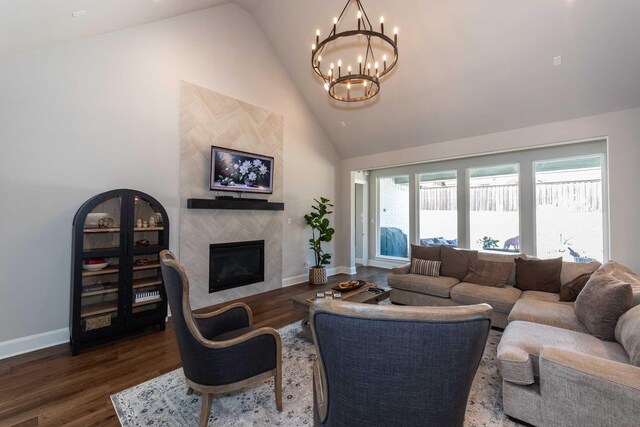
393,215
438,208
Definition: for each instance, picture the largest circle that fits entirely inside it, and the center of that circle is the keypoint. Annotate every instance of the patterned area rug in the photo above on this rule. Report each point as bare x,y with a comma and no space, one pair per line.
163,401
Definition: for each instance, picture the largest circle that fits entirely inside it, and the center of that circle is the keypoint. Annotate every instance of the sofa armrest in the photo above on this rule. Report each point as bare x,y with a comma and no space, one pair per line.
403,269
569,379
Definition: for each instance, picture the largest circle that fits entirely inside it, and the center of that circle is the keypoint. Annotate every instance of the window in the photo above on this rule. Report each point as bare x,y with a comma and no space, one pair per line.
494,220
394,216
569,218
438,208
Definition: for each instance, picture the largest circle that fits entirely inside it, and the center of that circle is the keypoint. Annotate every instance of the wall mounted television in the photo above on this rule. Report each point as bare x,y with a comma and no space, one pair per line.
239,171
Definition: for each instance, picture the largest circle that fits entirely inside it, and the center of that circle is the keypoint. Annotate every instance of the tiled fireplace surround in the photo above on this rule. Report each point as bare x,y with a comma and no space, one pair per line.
209,118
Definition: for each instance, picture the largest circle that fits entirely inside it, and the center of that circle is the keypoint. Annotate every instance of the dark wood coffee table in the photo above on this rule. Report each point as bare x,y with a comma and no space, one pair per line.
302,302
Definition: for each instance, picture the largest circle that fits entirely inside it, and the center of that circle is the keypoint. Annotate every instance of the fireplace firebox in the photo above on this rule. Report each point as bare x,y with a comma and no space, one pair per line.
235,264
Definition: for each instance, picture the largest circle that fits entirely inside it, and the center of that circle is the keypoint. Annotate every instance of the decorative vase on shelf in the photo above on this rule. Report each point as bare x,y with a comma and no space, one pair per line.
250,182
317,276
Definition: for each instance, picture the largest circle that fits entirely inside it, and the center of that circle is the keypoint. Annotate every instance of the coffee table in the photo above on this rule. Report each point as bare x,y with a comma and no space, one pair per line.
302,303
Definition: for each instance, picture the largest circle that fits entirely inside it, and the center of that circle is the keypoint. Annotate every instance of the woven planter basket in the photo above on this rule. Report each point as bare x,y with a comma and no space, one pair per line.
317,276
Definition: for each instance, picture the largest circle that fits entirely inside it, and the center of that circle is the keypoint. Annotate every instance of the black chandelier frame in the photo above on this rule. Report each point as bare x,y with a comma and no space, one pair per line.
364,74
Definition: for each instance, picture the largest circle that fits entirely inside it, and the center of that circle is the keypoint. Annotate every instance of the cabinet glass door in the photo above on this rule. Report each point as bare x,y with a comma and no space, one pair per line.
101,262
148,239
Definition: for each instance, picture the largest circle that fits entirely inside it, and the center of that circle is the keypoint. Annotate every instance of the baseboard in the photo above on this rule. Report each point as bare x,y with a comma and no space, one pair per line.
386,264
331,271
30,343
359,261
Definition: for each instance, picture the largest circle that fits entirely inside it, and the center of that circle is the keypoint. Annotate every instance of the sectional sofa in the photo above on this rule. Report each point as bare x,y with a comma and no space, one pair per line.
555,373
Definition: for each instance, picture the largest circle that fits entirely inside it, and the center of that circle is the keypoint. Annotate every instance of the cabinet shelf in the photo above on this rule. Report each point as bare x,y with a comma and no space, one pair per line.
105,291
108,270
145,250
141,229
100,308
102,230
145,283
145,267
140,304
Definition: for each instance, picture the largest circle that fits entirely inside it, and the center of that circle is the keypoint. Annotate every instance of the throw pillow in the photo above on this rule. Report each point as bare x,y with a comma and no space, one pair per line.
425,267
431,253
489,273
538,275
628,334
455,262
569,291
601,303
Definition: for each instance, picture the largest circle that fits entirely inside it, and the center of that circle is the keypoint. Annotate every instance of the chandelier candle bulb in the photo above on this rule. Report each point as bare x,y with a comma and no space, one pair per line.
360,63
376,66
335,23
339,68
359,19
384,60
318,36
313,47
395,35
349,69
382,24
369,68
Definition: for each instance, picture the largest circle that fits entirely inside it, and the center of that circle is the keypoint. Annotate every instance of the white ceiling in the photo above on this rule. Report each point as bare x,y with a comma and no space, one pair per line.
468,67
32,24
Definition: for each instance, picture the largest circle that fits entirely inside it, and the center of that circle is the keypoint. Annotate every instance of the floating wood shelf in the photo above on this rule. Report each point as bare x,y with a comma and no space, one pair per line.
234,204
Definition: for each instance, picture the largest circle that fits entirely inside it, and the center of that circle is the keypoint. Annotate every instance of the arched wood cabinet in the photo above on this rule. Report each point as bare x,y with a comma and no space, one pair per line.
116,283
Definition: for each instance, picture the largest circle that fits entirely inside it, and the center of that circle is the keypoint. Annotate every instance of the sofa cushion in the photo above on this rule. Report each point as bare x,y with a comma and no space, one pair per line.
624,274
489,273
455,262
628,334
425,267
601,303
436,286
498,257
538,275
547,313
501,299
544,296
431,253
571,270
522,342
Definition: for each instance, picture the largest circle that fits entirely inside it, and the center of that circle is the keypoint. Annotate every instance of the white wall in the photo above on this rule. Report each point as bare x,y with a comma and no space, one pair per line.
103,113
621,129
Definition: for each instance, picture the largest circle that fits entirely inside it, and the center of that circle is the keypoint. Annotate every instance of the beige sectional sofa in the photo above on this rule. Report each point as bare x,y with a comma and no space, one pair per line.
555,373
414,289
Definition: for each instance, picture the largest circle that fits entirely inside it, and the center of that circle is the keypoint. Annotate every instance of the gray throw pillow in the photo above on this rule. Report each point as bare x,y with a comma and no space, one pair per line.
601,303
628,334
455,262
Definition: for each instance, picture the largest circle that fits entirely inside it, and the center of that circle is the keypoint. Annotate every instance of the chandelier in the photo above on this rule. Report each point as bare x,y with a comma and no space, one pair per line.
362,82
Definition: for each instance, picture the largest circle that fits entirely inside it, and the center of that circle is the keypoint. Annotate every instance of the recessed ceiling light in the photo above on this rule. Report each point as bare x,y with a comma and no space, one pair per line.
78,13
557,60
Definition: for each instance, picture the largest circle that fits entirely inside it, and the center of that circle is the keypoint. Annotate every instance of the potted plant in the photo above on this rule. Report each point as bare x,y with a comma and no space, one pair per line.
321,232
488,243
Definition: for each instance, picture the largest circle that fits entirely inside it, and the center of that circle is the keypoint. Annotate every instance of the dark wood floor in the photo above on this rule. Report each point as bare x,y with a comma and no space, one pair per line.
50,387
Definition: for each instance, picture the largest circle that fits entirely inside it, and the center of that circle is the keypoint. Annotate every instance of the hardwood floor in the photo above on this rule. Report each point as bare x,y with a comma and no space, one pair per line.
50,387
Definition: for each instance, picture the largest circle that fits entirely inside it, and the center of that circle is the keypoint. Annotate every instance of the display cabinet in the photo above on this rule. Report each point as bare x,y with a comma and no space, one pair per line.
116,283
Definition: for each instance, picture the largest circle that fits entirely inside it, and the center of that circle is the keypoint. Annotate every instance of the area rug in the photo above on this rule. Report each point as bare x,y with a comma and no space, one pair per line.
163,401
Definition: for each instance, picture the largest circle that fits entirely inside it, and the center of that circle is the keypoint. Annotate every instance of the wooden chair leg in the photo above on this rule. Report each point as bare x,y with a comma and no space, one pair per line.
206,409
190,391
278,387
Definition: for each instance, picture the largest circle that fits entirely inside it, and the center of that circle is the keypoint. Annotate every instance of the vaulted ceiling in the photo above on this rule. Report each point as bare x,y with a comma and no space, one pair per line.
468,67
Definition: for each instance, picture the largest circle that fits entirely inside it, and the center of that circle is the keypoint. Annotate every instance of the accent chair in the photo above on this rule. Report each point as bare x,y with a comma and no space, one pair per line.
221,351
395,366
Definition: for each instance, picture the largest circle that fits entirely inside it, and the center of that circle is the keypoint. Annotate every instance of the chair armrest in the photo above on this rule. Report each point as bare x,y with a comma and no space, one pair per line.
568,379
229,318
403,269
244,338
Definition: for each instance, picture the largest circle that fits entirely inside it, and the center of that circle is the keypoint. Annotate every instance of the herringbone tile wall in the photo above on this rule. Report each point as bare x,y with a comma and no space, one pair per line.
209,118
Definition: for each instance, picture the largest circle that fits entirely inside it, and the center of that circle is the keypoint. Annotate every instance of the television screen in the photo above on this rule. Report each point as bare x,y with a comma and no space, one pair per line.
233,170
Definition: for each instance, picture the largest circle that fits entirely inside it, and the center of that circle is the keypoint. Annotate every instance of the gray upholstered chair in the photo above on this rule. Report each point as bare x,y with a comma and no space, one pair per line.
395,366
221,351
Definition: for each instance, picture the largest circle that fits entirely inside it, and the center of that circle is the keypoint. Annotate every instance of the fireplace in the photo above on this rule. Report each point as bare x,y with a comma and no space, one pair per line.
235,264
